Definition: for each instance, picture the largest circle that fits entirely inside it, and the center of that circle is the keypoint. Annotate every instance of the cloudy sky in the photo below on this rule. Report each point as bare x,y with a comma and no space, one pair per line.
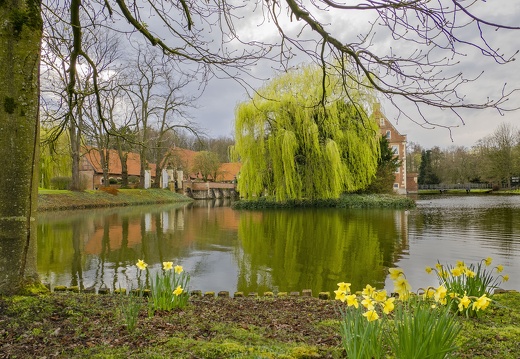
215,111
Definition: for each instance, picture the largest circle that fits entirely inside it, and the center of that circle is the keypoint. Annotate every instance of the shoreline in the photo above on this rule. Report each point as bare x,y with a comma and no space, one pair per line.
69,200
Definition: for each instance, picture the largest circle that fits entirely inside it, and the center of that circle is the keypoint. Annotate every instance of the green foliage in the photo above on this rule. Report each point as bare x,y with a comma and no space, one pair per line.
294,146
426,173
60,183
470,286
361,338
345,201
165,290
130,307
169,289
424,332
54,160
9,105
410,326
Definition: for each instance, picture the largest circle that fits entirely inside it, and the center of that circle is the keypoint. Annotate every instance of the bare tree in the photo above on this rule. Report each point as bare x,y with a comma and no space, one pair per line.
498,155
171,115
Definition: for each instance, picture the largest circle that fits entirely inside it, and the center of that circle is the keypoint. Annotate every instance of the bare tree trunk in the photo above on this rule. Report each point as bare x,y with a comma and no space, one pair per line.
75,138
19,141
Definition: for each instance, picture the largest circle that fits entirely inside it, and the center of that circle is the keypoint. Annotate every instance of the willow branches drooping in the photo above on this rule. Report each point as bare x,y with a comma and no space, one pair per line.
293,145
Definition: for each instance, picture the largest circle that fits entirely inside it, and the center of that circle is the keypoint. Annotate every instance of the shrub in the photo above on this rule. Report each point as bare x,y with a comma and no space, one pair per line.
61,182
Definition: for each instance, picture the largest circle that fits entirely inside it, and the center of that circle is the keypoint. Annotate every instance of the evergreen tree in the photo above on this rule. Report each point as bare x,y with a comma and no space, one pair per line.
426,173
387,164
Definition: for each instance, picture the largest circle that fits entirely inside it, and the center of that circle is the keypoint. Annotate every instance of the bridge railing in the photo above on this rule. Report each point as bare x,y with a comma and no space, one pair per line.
456,186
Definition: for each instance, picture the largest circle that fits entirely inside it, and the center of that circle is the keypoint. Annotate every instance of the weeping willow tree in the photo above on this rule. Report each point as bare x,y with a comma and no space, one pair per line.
55,158
306,136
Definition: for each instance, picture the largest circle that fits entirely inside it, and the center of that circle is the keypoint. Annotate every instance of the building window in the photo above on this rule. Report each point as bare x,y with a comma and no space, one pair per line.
398,170
387,135
381,121
395,150
396,185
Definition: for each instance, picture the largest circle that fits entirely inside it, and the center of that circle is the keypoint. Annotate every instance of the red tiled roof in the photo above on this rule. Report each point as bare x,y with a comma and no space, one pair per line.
177,157
114,166
228,171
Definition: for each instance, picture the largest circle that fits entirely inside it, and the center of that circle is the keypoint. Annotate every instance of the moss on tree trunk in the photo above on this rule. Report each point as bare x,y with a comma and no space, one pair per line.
20,38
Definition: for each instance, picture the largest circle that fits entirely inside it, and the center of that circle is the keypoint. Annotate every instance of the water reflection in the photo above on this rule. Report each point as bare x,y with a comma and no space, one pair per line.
289,250
223,249
316,249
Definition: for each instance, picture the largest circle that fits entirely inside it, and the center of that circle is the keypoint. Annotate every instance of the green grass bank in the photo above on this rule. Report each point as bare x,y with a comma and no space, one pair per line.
52,200
79,325
345,201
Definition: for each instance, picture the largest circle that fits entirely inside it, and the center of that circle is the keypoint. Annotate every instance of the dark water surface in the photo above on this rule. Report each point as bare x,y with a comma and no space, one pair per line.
285,250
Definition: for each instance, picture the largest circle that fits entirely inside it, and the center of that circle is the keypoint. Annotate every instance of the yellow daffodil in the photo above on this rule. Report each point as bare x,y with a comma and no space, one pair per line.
178,291
464,302
402,285
388,305
429,293
488,261
371,315
352,301
428,270
470,273
505,278
141,264
344,287
438,266
457,271
481,303
395,273
440,294
460,264
178,269
167,265
380,296
453,295
500,268
368,290
340,295
368,303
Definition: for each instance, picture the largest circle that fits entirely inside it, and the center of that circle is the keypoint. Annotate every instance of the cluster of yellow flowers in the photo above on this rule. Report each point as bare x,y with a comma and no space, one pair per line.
372,299
166,266
461,269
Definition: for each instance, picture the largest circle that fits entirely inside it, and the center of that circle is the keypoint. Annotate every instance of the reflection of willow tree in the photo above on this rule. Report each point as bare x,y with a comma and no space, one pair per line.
311,249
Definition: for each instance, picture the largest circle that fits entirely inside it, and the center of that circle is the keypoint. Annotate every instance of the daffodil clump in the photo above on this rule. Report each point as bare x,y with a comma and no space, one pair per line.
169,288
408,325
470,287
362,324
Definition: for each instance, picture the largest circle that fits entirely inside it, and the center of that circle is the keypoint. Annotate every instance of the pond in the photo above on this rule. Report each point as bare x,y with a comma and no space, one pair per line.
284,250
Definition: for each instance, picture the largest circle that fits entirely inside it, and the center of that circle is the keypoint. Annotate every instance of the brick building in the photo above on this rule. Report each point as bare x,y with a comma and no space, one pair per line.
404,182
